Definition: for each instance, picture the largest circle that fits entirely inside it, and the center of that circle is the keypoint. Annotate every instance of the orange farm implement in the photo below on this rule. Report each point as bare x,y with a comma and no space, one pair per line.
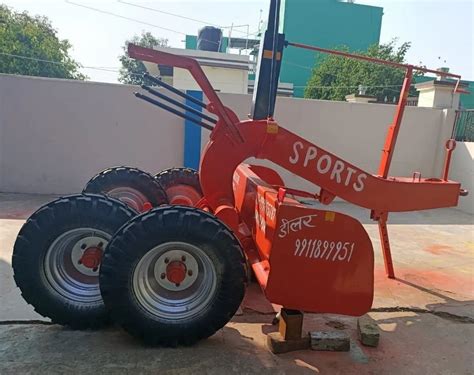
168,256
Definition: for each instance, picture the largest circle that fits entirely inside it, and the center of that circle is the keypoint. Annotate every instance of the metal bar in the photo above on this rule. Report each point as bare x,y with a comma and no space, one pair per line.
178,104
391,140
450,146
173,111
159,82
387,253
373,59
273,70
183,62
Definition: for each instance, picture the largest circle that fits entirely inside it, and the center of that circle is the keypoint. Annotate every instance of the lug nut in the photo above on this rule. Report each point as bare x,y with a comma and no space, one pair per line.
100,244
95,269
83,246
167,260
163,275
183,258
178,284
79,261
190,273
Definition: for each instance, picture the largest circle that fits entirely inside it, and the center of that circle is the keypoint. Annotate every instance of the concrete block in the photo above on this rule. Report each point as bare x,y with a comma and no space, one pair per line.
291,324
278,345
368,331
333,341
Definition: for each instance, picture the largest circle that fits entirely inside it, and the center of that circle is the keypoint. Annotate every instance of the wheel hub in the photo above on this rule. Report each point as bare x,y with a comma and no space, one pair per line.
72,263
91,258
176,272
87,253
174,280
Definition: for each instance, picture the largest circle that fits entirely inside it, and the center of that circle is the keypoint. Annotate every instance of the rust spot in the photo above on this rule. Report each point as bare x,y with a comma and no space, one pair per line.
438,249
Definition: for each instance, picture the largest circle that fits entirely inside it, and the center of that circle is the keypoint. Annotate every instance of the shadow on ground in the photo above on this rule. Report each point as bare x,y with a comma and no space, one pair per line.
21,206
413,341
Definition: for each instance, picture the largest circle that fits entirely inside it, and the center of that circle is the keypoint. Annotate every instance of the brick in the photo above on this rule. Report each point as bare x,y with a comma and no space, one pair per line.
333,341
278,345
368,331
291,324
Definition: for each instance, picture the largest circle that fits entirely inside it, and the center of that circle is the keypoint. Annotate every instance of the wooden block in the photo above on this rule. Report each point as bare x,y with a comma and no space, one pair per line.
278,345
333,341
368,331
291,324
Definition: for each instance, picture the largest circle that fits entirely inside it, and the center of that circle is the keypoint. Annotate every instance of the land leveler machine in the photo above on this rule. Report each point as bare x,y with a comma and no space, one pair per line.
168,257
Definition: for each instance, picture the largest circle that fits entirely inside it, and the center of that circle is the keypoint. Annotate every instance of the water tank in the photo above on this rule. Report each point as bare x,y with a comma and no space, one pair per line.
209,39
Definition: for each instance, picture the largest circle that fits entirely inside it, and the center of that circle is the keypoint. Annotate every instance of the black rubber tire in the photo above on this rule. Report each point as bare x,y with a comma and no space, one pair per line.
36,236
179,176
162,225
128,177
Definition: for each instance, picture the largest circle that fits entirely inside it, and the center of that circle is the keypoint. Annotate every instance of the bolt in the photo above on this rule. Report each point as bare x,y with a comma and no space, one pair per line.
177,284
95,269
100,244
163,275
83,246
167,260
79,261
190,273
183,258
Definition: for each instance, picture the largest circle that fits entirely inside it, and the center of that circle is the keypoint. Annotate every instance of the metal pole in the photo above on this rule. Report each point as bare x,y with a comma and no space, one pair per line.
375,60
391,140
273,73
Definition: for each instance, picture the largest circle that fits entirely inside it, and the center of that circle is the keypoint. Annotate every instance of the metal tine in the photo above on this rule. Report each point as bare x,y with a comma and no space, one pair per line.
173,111
178,104
159,82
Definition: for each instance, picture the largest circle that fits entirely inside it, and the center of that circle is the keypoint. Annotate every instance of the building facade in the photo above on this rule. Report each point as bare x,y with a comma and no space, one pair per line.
326,24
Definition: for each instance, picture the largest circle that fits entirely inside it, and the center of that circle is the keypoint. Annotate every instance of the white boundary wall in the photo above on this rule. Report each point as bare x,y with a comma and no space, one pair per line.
462,169
56,134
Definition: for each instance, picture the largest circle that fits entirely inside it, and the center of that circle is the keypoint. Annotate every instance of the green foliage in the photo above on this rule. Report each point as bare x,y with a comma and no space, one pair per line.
132,70
334,77
34,38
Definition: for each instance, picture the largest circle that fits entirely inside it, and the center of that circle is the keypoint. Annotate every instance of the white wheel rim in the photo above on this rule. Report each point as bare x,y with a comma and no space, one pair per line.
130,196
63,270
165,300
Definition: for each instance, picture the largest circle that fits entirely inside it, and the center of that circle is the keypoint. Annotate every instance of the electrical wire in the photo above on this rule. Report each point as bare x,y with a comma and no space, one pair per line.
133,19
99,68
188,18
117,70
168,13
123,17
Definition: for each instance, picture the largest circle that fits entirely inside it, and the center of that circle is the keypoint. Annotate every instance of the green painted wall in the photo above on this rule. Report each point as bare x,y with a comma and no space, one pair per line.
467,100
327,24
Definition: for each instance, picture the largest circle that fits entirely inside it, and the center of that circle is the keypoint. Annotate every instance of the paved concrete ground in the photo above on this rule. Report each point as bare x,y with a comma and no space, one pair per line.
426,315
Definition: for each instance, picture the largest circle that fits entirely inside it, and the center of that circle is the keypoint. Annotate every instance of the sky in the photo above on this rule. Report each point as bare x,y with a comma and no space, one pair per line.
441,31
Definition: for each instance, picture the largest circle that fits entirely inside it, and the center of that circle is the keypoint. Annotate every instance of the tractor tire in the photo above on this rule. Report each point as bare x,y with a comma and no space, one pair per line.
136,188
173,276
181,185
57,255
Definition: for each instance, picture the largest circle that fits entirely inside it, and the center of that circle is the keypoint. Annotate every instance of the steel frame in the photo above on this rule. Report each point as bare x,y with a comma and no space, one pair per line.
234,192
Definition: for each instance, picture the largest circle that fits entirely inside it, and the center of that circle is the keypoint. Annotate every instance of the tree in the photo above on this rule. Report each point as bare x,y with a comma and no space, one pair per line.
334,77
30,46
132,70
